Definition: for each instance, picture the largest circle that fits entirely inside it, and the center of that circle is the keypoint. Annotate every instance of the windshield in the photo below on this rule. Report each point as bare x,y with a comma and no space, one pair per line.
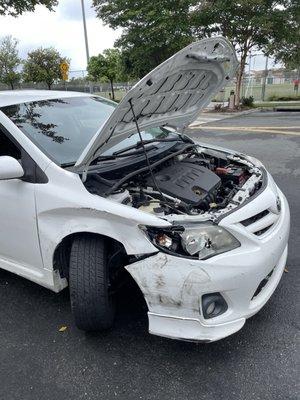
62,128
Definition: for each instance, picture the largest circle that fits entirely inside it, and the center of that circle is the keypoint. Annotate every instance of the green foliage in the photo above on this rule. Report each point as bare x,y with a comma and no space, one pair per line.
285,45
249,24
17,7
106,67
275,97
78,80
152,31
248,101
43,65
9,61
218,107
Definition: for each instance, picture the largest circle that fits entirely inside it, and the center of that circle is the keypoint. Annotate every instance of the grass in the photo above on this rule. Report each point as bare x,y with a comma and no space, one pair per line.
277,104
283,89
119,94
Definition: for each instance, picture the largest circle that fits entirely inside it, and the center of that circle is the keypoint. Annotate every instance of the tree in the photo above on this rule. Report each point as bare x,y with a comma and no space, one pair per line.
249,24
152,31
9,61
43,65
107,66
17,7
285,46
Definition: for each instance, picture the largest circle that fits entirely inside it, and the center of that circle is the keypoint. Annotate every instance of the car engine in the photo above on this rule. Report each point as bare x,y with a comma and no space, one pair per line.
190,181
193,184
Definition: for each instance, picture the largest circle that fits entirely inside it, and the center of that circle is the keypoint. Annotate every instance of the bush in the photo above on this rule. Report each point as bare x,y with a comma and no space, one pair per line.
218,107
275,97
248,101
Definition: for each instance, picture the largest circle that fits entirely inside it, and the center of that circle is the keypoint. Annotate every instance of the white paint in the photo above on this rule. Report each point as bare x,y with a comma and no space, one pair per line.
171,94
10,168
35,218
173,287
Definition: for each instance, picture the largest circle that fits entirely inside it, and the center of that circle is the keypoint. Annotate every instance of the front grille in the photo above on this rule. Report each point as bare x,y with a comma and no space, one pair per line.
260,223
262,231
255,218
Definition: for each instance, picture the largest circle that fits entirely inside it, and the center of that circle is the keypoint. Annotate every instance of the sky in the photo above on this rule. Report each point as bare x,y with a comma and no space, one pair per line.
63,29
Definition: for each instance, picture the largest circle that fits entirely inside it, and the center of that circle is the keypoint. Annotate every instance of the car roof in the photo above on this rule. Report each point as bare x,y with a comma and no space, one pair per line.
10,97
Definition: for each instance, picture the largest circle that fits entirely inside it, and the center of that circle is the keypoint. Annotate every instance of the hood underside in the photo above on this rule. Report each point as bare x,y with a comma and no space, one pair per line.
172,94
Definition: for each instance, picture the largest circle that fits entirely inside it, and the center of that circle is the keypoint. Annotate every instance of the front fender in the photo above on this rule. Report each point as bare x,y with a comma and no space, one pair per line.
65,207
55,225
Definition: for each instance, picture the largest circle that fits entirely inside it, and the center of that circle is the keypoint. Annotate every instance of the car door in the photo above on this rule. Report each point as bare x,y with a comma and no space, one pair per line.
19,242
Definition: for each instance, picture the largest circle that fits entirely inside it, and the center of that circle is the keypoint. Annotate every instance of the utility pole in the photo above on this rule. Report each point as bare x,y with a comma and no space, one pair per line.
263,88
249,74
85,39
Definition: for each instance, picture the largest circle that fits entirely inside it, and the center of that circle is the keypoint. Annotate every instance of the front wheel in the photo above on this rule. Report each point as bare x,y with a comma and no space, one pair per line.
92,305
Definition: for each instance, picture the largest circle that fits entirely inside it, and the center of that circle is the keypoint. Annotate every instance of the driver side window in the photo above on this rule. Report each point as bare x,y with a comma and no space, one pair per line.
7,147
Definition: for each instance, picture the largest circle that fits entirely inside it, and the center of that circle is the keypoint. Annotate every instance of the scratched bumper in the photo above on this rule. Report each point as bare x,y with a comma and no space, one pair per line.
173,287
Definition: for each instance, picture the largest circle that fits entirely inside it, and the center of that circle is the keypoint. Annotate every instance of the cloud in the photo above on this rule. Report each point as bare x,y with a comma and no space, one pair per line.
71,10
62,29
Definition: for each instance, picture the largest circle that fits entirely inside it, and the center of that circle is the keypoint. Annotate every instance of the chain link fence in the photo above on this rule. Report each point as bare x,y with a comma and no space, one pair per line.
279,82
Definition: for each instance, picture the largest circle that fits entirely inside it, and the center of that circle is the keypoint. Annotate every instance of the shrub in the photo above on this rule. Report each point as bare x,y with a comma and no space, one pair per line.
275,97
248,101
218,107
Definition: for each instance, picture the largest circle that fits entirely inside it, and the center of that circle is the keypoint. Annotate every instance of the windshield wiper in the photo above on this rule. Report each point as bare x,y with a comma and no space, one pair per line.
127,153
68,164
139,144
119,155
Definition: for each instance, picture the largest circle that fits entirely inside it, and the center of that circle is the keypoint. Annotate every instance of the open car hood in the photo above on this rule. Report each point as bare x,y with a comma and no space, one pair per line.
171,94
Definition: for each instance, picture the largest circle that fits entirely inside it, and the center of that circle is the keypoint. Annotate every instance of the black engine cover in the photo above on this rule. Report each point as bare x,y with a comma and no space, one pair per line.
189,182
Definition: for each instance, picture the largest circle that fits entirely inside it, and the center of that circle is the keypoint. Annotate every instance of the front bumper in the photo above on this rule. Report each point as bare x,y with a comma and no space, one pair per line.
173,287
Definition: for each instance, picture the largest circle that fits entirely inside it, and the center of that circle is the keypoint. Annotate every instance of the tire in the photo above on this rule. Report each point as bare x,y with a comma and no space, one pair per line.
92,306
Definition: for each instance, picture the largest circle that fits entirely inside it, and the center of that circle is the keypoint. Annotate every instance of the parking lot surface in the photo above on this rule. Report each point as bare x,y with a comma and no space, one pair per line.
259,362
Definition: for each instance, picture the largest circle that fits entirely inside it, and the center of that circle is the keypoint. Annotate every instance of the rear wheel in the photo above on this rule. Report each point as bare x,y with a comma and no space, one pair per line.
92,305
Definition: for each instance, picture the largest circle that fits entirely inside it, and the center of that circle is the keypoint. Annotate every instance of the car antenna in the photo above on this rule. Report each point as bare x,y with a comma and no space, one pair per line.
145,152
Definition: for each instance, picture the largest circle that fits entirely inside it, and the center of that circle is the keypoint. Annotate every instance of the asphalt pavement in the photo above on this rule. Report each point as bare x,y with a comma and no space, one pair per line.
259,362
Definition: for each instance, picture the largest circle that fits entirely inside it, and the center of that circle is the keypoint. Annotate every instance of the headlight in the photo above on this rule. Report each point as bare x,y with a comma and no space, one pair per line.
201,242
207,240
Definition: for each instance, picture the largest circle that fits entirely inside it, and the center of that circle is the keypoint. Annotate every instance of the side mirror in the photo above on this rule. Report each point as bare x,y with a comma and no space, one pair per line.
10,168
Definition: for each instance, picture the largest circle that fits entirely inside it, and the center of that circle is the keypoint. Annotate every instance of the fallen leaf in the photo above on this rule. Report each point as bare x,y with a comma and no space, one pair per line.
62,329
286,270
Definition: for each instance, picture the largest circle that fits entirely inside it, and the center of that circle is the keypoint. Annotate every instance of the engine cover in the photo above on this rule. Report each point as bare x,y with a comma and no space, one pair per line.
187,181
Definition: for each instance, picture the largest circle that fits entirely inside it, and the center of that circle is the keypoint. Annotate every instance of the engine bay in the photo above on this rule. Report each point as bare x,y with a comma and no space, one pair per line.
192,181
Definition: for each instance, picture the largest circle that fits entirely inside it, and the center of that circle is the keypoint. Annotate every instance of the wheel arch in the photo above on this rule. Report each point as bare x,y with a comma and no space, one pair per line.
61,254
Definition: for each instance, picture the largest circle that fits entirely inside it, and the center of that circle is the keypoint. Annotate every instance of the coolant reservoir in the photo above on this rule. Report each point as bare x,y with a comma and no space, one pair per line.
153,208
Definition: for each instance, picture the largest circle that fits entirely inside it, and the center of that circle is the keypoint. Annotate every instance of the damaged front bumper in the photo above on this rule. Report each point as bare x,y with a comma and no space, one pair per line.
173,287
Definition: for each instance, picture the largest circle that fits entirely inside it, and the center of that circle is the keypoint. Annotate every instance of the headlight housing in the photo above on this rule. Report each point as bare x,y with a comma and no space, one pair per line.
201,242
207,240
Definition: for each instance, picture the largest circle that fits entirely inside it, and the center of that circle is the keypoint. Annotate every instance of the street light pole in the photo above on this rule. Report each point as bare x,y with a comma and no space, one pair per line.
249,75
263,88
85,38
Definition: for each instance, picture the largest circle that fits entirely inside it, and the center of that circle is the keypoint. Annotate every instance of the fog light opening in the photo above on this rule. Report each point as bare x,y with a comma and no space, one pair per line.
213,305
211,308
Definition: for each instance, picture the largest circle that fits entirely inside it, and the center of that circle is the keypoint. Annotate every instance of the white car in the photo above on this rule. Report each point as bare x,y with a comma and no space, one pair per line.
90,189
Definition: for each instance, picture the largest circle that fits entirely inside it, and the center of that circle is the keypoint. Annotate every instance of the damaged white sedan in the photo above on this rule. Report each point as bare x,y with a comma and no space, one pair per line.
90,189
